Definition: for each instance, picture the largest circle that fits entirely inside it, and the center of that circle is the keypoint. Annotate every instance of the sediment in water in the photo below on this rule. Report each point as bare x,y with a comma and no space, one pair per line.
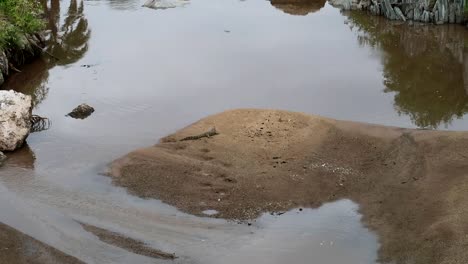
410,184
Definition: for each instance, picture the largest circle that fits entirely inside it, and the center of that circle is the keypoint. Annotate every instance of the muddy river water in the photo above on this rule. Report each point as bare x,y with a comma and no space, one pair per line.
149,72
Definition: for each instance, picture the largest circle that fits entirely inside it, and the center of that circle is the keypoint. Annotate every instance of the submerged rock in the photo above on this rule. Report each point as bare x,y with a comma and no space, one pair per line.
81,112
15,116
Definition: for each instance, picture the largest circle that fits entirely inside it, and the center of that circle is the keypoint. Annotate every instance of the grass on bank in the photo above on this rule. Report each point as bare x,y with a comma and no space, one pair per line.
18,18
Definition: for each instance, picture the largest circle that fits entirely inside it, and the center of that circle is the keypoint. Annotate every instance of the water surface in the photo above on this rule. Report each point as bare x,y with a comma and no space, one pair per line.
150,72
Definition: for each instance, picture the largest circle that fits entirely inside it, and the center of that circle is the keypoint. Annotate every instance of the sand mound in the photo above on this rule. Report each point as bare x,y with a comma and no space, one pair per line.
412,185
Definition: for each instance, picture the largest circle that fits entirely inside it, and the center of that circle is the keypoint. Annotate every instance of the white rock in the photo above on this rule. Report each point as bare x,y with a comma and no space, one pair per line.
165,4
15,115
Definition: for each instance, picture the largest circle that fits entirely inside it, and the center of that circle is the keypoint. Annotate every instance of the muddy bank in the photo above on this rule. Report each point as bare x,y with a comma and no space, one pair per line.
18,248
410,184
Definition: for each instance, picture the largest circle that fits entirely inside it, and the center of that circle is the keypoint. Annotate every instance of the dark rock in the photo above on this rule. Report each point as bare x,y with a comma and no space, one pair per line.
459,13
373,7
442,6
451,14
437,17
399,13
417,14
426,17
3,157
410,14
383,9
3,63
81,112
389,12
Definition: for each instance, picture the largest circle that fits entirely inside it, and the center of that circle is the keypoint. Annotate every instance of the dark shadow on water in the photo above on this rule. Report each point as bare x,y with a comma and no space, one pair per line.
22,158
426,67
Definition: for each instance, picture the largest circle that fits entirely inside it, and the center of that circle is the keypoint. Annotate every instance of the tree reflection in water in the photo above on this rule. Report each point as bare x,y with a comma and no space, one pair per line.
425,66
67,41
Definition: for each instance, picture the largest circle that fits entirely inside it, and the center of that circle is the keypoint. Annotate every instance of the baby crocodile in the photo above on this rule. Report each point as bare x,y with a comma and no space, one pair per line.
210,133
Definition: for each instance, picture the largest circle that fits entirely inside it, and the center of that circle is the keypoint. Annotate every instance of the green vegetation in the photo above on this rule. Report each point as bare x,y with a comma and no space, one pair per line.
18,18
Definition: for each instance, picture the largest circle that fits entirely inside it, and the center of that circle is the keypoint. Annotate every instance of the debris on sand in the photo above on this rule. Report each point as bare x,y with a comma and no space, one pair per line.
81,112
210,133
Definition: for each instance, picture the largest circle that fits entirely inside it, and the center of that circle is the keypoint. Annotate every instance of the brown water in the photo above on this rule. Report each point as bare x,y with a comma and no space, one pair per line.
150,72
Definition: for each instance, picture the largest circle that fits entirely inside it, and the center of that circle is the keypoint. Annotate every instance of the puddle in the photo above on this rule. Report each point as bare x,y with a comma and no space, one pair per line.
331,234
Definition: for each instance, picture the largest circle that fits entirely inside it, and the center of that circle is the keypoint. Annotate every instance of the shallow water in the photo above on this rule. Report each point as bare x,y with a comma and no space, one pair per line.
150,72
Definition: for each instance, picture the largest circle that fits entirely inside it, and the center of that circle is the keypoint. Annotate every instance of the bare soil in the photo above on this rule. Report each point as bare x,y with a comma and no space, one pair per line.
412,185
18,248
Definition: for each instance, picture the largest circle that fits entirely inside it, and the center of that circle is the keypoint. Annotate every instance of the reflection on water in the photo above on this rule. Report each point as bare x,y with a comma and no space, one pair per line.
67,41
330,234
178,65
34,83
23,158
124,4
425,66
165,4
298,7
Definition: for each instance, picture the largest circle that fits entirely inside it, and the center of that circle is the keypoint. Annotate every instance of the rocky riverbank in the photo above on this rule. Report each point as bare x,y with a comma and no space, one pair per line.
436,12
21,21
12,59
272,161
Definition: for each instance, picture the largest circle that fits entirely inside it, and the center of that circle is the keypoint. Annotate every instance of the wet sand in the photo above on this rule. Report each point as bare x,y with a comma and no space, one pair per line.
410,184
18,248
130,244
